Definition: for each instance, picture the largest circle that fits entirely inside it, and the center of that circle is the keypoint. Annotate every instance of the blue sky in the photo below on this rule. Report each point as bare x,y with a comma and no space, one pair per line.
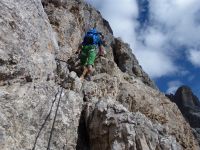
163,34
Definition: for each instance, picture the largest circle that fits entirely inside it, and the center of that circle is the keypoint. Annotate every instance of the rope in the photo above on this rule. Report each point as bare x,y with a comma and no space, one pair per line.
54,120
44,121
47,117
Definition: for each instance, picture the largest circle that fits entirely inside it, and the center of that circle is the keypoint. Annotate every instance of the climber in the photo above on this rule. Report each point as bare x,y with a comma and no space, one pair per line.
88,51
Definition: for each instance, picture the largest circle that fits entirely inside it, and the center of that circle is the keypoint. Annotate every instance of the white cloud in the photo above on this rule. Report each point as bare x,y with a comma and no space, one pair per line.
174,23
154,39
155,63
194,57
179,17
173,86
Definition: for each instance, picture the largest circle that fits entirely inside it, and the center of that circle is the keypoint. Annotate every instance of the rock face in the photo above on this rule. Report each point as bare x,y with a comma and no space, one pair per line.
189,105
112,126
135,97
28,92
127,62
43,103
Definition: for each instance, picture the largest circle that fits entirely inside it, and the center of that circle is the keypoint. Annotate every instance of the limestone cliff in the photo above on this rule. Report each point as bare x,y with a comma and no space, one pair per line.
189,106
44,105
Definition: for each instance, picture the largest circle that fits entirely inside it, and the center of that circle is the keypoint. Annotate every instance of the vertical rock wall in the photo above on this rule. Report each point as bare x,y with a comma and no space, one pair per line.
28,92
